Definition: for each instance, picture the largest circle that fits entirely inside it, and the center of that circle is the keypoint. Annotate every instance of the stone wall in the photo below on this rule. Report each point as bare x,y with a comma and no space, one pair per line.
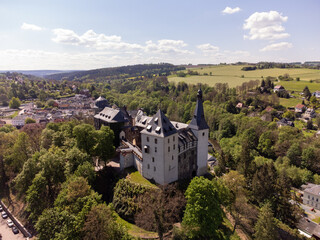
187,163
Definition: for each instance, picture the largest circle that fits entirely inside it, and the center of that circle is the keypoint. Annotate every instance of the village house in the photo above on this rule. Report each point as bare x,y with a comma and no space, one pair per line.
300,108
19,121
309,113
161,150
239,105
285,122
278,88
2,123
316,94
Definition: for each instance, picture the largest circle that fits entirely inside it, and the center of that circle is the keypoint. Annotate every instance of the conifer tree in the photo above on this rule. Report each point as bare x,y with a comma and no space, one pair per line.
265,227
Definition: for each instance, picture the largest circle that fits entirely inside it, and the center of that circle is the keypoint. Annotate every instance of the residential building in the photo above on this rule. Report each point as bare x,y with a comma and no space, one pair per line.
19,121
300,108
316,94
278,88
311,195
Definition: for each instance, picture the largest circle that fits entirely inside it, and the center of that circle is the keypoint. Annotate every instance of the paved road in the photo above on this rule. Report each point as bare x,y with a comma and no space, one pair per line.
7,233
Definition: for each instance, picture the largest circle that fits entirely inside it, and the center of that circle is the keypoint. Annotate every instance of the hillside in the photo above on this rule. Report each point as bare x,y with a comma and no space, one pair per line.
234,76
117,72
37,73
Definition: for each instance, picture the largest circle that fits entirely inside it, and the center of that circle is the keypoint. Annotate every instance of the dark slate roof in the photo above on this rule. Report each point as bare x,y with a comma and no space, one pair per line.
160,126
309,227
111,115
141,120
186,136
198,121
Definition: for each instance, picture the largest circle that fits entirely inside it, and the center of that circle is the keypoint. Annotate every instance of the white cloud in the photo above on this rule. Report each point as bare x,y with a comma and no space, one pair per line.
277,46
26,26
166,46
229,10
91,39
266,26
114,43
208,48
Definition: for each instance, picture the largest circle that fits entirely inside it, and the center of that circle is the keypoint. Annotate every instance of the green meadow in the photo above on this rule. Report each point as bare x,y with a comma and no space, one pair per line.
234,76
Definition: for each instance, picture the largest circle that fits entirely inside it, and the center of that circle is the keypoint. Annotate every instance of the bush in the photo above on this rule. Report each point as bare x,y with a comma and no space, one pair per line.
125,198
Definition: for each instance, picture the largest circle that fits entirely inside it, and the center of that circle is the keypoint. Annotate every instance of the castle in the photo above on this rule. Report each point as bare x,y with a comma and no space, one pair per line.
158,148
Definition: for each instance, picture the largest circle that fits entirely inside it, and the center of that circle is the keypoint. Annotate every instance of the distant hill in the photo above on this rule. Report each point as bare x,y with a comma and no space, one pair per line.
38,73
117,72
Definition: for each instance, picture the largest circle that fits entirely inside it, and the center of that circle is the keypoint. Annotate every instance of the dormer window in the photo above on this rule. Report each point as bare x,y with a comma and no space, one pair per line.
149,128
158,130
144,121
156,120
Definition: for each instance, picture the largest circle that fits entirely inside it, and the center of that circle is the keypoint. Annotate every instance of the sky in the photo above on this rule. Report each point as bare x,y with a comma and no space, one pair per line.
89,34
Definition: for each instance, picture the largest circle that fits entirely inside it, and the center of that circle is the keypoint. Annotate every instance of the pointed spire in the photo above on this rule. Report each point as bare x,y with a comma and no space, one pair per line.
198,121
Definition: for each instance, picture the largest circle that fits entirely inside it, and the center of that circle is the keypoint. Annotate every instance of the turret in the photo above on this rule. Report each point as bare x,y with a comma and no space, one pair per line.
200,128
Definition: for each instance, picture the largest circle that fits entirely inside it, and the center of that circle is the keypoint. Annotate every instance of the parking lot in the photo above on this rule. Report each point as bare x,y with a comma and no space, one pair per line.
7,233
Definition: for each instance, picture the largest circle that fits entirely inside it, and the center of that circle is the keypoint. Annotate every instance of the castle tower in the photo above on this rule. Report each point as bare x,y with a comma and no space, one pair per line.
200,128
159,141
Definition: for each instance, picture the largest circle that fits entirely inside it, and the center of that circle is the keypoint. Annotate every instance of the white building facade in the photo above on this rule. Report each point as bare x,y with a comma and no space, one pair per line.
169,150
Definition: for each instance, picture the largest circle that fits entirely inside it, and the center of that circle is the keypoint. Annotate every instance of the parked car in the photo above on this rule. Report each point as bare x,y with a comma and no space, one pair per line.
4,215
15,230
10,223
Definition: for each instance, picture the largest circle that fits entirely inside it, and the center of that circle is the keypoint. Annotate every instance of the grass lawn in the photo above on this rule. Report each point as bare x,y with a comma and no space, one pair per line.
299,86
317,220
135,177
234,76
134,230
290,102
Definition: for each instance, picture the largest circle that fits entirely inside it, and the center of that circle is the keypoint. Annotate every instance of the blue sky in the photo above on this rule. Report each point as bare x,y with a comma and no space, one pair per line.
83,34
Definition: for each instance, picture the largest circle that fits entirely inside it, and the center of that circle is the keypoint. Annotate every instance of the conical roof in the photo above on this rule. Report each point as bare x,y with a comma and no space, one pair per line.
160,126
198,121
100,99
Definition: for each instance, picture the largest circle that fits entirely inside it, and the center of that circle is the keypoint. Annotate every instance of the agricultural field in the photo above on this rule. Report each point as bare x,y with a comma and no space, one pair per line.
234,76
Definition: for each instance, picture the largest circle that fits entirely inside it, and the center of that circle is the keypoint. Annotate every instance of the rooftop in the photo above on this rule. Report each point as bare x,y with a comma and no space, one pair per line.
160,125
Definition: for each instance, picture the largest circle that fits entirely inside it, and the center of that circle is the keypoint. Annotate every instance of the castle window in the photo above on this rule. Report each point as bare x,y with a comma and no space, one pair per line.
155,149
174,146
203,134
154,168
148,166
152,159
174,138
147,139
168,140
168,149
146,149
155,141
172,157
